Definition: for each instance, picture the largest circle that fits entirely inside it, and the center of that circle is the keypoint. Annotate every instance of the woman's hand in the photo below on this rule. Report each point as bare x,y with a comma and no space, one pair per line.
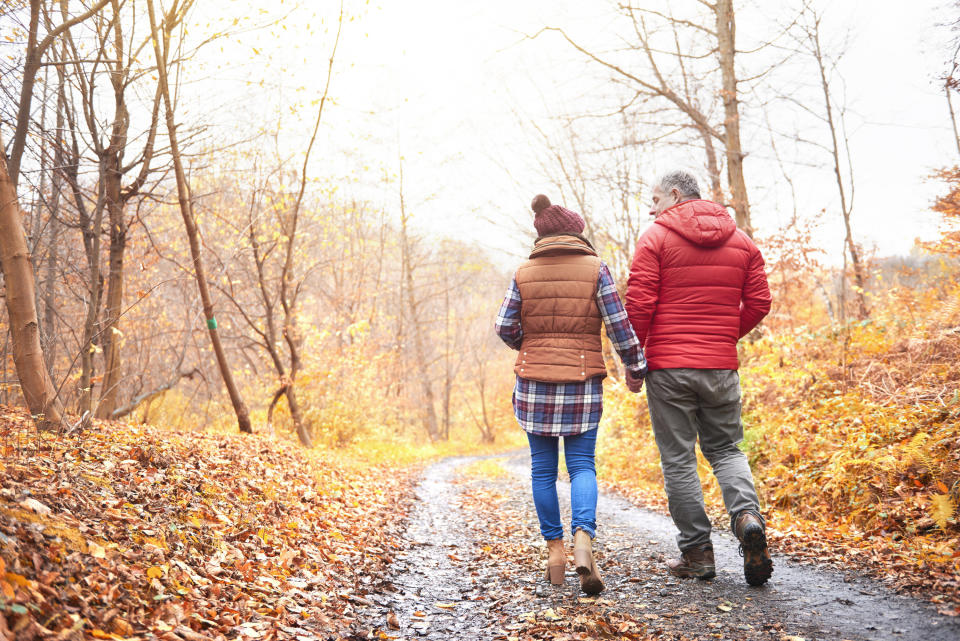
634,384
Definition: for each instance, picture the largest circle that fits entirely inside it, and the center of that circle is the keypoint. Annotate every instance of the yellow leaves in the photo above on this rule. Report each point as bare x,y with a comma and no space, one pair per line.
96,550
550,615
942,508
155,572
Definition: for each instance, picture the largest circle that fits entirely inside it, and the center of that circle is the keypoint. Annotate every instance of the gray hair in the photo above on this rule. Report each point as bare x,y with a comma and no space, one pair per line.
682,181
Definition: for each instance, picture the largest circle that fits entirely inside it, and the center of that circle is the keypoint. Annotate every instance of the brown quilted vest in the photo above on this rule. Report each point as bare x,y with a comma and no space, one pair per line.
559,316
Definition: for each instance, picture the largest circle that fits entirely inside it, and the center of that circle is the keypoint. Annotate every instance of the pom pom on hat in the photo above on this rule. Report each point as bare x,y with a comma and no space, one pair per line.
540,202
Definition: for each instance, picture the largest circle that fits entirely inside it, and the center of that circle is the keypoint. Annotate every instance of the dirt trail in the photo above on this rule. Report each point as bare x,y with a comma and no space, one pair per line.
473,562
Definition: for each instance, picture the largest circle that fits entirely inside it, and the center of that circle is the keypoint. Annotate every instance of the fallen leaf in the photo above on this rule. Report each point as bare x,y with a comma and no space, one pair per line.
96,550
723,607
550,615
34,505
445,606
17,579
155,572
393,621
121,627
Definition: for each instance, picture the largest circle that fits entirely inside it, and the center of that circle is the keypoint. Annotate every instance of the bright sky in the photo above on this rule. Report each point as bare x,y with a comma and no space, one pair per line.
447,85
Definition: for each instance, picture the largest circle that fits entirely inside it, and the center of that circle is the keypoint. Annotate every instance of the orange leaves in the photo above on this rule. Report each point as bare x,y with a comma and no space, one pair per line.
188,534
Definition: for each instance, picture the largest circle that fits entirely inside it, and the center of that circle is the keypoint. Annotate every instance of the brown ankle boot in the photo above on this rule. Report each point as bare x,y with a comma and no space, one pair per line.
556,559
757,564
586,566
694,562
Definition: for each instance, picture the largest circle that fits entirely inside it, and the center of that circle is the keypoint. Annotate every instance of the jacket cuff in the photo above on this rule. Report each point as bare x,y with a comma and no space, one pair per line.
636,371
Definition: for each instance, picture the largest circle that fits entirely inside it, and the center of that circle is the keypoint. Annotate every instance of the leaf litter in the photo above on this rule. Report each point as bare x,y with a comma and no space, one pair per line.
131,532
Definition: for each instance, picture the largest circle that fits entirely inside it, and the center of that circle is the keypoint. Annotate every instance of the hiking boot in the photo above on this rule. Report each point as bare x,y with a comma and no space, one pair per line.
694,562
757,564
556,559
586,567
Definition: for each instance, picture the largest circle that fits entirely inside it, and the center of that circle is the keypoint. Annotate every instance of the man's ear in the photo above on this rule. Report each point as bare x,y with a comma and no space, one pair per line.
676,195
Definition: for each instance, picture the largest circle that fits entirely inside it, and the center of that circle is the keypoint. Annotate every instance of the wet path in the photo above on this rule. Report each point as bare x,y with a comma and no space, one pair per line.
472,569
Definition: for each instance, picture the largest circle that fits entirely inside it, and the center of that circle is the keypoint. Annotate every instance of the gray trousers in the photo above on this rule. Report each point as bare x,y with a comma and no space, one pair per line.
686,404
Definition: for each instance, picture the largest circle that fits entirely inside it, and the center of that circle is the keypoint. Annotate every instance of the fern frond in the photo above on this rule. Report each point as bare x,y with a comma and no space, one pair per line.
942,508
916,449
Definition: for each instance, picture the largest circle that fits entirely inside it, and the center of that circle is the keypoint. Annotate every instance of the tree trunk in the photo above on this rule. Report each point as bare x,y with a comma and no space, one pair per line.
845,206
35,383
91,231
429,409
953,118
111,331
726,47
30,66
713,169
189,223
53,253
296,413
486,430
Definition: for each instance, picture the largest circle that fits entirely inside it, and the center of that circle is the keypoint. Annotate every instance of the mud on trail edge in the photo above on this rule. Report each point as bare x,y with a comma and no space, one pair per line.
472,568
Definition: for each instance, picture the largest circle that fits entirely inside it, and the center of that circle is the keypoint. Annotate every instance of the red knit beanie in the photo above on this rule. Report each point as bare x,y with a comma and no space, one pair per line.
554,219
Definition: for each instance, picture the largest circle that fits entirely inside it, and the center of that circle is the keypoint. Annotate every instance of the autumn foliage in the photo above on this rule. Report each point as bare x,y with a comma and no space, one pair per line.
948,206
131,530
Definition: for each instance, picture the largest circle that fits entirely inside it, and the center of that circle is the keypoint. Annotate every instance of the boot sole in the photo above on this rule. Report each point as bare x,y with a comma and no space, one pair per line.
703,572
591,585
757,566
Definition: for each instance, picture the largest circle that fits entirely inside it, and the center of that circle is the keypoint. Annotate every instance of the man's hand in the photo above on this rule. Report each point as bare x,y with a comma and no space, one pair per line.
634,384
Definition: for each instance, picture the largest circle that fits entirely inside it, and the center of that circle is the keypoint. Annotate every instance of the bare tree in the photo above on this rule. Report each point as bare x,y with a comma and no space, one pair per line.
416,323
718,28
18,277
34,55
839,148
161,48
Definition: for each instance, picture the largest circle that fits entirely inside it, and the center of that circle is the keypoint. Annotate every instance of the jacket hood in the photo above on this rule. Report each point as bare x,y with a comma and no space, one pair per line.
702,222
562,244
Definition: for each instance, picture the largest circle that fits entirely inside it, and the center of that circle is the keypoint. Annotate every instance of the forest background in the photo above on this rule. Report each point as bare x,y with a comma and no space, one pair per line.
358,177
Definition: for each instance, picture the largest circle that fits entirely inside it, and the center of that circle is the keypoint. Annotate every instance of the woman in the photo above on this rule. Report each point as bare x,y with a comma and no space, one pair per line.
552,315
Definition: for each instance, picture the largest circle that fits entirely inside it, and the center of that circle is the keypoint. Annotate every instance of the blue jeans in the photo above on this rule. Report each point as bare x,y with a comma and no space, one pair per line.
579,453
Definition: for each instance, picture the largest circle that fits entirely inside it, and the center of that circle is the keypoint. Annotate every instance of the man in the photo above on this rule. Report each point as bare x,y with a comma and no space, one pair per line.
697,285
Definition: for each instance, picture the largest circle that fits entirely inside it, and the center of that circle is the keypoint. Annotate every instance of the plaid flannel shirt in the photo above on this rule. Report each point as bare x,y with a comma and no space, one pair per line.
567,409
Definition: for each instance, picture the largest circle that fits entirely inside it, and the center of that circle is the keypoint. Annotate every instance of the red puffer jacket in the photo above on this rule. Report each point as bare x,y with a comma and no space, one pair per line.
696,286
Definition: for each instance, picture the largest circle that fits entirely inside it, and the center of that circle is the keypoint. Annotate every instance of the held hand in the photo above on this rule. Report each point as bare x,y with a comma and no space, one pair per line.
633,384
